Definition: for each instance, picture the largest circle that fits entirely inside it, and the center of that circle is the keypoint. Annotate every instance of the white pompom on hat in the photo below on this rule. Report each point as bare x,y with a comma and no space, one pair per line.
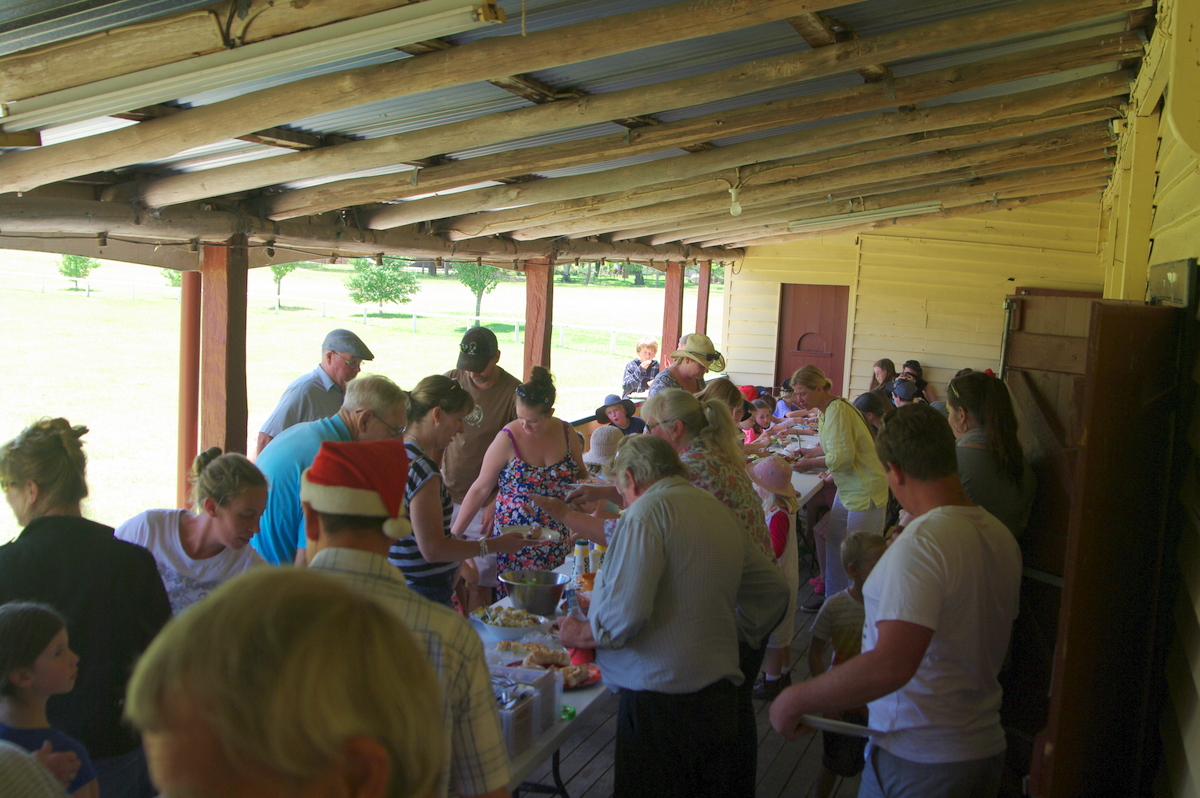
360,478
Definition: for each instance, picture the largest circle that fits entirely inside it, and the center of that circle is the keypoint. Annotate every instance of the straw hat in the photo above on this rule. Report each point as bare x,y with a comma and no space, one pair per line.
700,349
773,474
604,445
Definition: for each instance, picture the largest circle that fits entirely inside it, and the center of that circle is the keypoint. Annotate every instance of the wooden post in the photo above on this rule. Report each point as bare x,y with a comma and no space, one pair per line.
702,296
223,403
539,312
189,380
672,311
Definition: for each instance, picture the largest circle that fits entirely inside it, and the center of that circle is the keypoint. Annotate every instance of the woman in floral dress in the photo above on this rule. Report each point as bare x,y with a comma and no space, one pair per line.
536,455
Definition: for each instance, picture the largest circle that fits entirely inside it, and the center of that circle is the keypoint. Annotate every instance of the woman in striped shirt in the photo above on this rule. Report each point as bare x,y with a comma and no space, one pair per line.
429,558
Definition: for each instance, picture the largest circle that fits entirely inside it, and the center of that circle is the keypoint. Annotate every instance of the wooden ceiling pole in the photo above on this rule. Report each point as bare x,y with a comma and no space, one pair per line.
672,310
539,312
224,408
189,381
475,61
702,297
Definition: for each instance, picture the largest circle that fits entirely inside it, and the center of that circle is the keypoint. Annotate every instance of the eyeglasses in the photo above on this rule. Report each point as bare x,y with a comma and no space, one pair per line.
532,397
651,425
954,391
396,431
353,363
704,355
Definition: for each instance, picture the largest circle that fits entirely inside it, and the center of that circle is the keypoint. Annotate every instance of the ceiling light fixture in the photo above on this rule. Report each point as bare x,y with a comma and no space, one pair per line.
895,212
304,50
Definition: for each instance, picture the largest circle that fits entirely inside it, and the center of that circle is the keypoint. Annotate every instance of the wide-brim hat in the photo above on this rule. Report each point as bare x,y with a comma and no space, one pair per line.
773,474
609,401
604,445
700,349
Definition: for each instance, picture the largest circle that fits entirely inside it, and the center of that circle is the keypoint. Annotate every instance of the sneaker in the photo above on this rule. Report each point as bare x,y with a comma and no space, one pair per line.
768,691
813,605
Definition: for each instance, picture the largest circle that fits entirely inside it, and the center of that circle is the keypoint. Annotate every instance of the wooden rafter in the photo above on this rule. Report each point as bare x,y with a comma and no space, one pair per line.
522,122
478,60
821,31
908,91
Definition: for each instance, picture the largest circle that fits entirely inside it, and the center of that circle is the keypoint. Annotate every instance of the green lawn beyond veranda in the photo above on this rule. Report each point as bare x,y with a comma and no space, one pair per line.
110,360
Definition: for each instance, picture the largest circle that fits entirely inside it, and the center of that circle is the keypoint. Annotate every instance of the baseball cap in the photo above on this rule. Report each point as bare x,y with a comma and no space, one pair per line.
477,348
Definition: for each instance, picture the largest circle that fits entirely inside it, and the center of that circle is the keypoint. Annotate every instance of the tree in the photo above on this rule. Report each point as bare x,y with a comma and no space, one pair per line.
637,270
77,267
173,277
279,271
480,279
382,282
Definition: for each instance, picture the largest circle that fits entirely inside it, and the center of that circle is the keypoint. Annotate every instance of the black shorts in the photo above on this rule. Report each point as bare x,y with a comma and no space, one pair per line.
843,754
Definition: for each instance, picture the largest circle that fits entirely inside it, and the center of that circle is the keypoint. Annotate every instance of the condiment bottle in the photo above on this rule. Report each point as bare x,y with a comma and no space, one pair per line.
597,556
581,559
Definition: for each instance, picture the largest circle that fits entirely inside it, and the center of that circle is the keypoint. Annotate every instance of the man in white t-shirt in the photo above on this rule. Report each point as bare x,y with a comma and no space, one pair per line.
939,610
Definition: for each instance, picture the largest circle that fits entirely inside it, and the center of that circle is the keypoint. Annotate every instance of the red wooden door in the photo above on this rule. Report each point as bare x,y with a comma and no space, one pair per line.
812,331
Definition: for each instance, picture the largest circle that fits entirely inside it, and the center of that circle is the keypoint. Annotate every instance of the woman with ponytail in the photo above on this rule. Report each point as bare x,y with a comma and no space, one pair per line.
198,550
429,558
536,455
108,590
991,463
847,450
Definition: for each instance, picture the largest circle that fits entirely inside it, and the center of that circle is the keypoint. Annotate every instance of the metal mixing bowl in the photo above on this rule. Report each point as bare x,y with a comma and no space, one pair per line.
541,596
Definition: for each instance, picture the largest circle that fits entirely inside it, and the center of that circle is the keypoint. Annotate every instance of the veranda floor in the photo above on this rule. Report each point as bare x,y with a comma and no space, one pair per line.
785,768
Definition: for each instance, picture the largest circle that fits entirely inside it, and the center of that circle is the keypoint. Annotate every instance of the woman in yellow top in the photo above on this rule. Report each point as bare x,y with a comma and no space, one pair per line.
847,450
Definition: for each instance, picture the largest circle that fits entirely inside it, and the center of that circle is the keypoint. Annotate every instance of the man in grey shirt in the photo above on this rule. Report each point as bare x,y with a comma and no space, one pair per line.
679,580
319,393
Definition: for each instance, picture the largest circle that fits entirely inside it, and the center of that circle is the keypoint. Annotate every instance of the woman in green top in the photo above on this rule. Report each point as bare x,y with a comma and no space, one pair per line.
847,450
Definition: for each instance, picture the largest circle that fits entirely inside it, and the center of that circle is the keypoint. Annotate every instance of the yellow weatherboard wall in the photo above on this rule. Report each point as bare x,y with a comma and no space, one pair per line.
932,293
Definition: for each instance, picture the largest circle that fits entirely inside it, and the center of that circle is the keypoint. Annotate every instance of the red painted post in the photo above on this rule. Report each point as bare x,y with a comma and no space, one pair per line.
223,402
672,312
539,312
189,380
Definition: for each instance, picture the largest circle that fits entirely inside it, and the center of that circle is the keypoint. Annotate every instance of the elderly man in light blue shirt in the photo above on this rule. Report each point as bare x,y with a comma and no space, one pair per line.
679,579
319,393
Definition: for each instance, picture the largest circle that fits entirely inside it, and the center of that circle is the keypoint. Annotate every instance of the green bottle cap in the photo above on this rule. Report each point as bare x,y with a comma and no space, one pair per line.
568,713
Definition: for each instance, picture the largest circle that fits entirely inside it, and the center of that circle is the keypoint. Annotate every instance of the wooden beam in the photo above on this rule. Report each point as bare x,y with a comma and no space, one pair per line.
131,48
179,225
548,215
672,310
650,180
224,408
1139,177
479,60
682,133
539,313
963,195
702,291
523,122
189,383
966,210
282,137
780,190
821,31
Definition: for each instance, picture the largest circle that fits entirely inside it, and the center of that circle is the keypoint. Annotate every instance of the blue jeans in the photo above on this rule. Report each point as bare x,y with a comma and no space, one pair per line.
889,776
124,776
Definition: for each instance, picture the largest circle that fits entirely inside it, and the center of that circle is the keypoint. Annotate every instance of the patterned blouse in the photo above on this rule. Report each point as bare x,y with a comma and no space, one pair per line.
518,482
713,472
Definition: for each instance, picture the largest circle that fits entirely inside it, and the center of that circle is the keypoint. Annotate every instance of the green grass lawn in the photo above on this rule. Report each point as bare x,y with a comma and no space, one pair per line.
110,360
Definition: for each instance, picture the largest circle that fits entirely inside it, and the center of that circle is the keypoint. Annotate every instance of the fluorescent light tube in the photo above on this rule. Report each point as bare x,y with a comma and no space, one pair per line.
865,216
311,48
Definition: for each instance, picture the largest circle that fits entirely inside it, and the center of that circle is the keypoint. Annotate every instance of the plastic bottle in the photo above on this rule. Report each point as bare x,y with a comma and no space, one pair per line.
597,556
580,566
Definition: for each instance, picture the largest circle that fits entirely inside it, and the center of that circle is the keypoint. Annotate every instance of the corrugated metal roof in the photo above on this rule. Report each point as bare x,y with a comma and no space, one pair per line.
33,23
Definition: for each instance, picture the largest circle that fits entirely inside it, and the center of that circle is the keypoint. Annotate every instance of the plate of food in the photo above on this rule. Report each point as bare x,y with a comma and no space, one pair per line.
507,623
575,677
535,532
839,726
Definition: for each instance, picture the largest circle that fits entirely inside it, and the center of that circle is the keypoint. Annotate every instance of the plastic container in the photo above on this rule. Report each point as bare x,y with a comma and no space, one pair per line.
597,557
517,724
580,564
548,697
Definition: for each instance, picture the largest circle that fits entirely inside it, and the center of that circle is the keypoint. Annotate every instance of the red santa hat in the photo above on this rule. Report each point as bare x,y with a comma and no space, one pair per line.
360,478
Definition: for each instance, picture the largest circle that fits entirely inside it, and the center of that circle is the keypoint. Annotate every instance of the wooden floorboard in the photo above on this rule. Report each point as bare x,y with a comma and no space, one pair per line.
785,767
